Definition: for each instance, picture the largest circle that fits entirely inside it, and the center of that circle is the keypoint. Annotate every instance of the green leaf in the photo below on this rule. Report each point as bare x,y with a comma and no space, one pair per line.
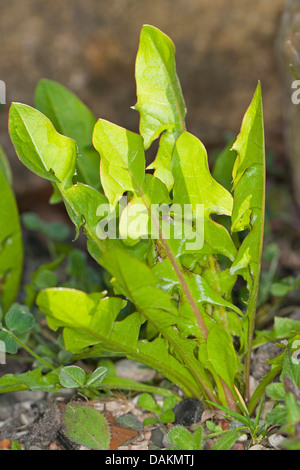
169,403
277,416
222,169
193,181
32,380
147,402
293,409
135,220
5,166
87,319
15,445
285,286
10,345
180,438
248,209
11,249
96,378
86,426
222,355
290,367
122,166
140,285
43,150
167,416
226,441
117,383
55,231
137,282
197,438
276,391
160,100
19,319
73,119
72,377
42,278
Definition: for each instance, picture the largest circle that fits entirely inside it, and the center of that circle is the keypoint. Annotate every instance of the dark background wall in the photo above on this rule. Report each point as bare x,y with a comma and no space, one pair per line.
223,48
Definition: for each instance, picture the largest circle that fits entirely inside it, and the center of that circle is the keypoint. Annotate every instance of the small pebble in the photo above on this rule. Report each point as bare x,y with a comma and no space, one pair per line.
129,422
28,395
258,447
157,436
237,446
276,440
166,443
129,369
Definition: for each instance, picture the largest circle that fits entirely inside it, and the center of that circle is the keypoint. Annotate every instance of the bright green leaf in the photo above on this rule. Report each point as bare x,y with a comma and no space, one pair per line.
73,119
122,166
43,150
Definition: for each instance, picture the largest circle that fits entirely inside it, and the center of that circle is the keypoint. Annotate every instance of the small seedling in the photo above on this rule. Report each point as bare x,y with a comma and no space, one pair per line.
164,413
182,439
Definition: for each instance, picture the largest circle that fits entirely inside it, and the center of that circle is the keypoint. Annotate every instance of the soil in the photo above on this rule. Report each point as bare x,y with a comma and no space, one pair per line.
34,419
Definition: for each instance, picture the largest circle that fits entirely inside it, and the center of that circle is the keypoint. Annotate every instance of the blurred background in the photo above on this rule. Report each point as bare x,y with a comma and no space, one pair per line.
223,47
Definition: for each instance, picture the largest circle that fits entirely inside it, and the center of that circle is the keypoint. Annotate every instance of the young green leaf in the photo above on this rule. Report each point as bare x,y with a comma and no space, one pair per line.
193,181
248,208
73,119
226,441
43,150
122,166
147,402
160,100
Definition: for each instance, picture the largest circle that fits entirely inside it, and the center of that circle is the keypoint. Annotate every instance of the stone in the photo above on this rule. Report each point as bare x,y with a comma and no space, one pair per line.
258,447
7,405
188,411
276,440
28,395
260,357
132,370
157,437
